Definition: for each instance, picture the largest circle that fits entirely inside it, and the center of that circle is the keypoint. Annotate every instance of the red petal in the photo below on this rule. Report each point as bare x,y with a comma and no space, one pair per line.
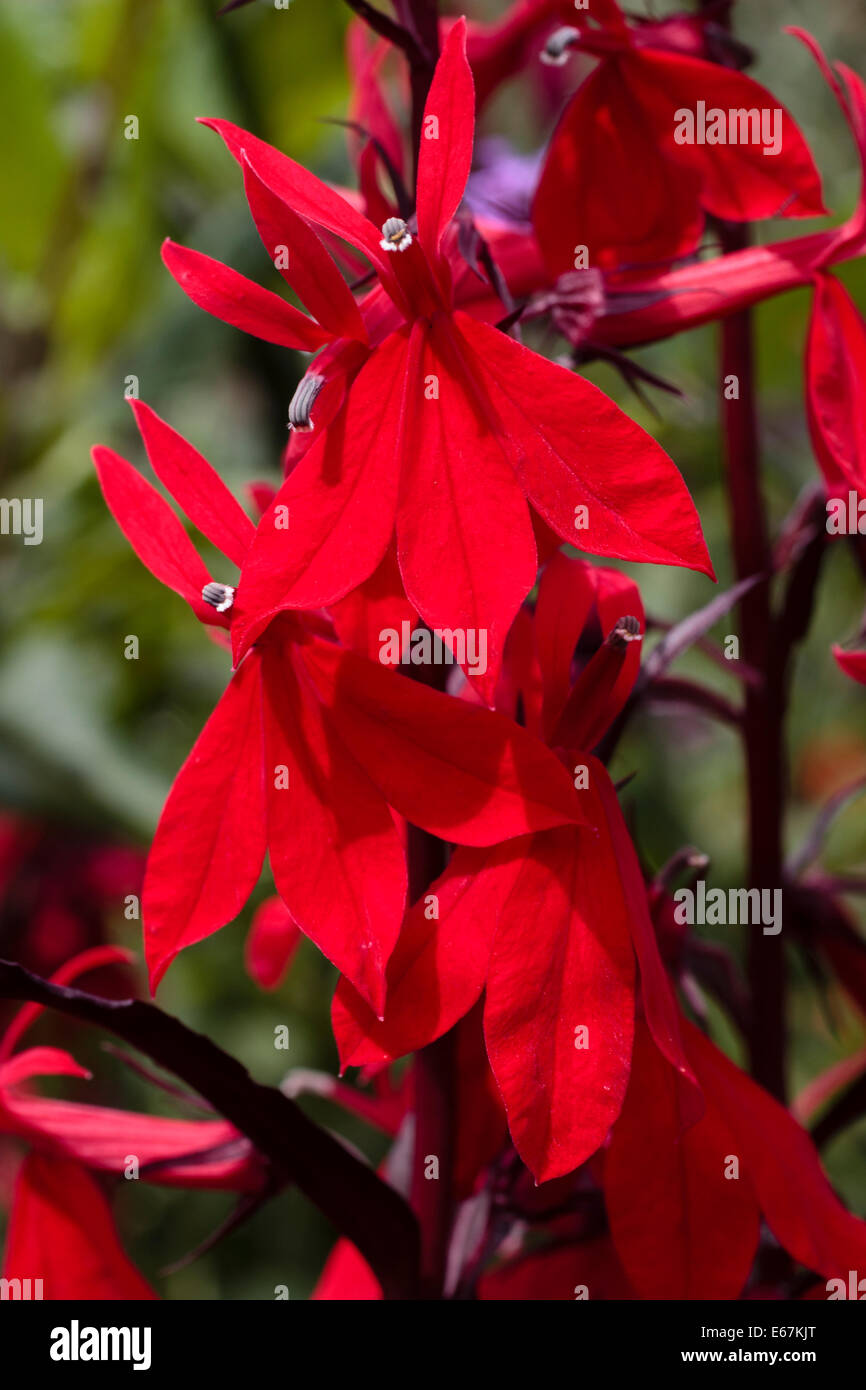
152,528
681,1228
335,853
571,446
376,606
738,181
658,997
836,385
566,598
307,195
568,591
607,186
561,1097
463,773
209,845
852,663
102,1138
62,1232
460,504
271,943
346,1277
369,109
520,687
311,272
92,958
339,502
801,1208
39,1061
481,1127
447,132
559,1274
439,964
221,291
195,486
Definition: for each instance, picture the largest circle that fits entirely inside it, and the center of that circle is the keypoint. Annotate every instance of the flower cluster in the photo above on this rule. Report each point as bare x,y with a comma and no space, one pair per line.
455,845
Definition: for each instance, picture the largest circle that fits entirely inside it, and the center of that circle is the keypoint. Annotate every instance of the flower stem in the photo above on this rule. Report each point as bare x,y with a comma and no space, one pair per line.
764,710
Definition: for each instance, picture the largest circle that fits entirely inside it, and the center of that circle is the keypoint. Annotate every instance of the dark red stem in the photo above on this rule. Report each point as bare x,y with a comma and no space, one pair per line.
764,709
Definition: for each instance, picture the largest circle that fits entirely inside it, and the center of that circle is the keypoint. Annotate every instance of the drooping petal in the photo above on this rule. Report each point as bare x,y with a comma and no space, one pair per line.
331,521
439,964
558,1017
206,1154
38,1061
684,1222
336,857
598,479
463,773
209,846
62,1232
852,663
447,134
152,528
658,997
800,1206
836,386
273,938
196,487
460,507
229,296
740,180
302,260
607,186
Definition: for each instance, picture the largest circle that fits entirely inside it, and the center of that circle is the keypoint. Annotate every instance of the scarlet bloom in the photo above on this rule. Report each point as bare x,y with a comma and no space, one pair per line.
62,1234
626,177
690,1228
558,1021
425,419
309,753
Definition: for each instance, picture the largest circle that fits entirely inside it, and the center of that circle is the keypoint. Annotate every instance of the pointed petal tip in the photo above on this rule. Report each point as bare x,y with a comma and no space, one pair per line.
155,971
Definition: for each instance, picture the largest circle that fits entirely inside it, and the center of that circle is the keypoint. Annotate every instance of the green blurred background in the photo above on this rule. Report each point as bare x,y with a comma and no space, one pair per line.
90,741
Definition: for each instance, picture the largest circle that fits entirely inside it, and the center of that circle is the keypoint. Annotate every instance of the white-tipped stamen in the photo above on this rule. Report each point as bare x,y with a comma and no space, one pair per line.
395,235
301,404
555,52
219,596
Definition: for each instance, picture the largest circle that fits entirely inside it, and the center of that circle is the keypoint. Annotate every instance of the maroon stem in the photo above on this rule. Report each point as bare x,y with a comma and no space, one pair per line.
433,1196
435,1083
421,20
764,710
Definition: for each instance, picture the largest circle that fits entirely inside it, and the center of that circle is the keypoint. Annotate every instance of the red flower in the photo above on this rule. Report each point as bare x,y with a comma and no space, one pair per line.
306,754
428,419
688,1227
625,177
62,1233
557,1019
